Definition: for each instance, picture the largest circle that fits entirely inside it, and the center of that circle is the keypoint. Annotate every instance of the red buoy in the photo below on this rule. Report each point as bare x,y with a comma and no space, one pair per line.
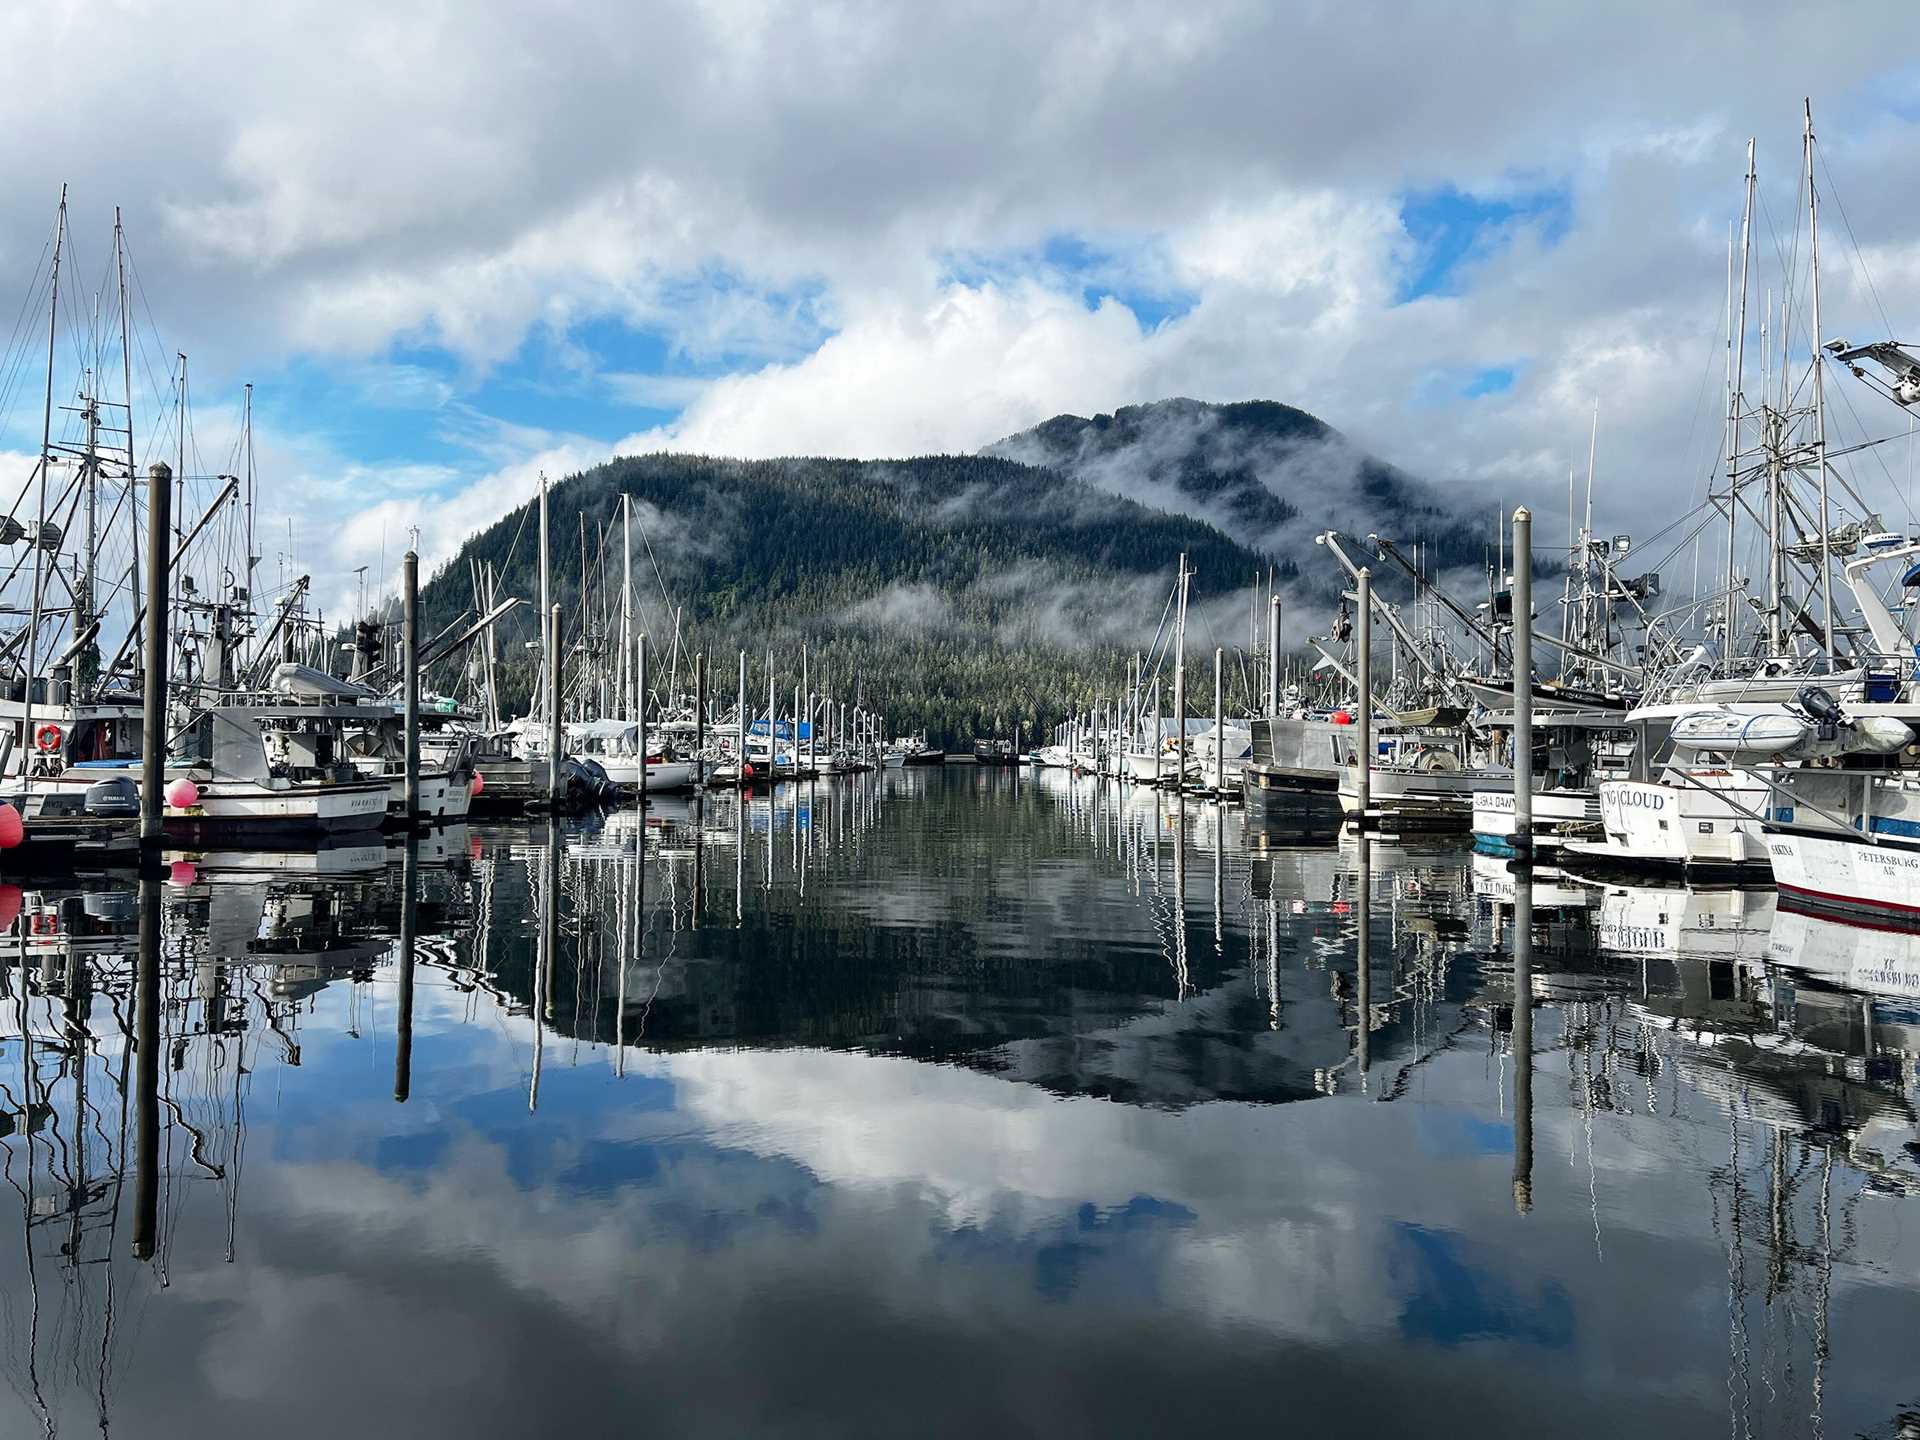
1341,717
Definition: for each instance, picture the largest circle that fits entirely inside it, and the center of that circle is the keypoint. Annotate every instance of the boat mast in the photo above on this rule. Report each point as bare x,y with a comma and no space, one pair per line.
40,527
1737,380
246,431
1819,398
126,382
627,677
1180,669
1586,541
548,639
84,592
1736,385
1770,448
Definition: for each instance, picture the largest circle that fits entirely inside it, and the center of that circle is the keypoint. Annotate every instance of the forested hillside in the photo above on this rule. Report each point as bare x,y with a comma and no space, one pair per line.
963,594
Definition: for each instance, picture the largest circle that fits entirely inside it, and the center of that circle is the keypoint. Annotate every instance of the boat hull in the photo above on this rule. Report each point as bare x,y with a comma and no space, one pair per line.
229,810
1553,812
1703,823
1845,873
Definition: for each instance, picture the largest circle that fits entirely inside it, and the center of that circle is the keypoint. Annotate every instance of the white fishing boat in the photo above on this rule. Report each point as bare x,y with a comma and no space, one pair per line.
614,745
1706,779
1555,813
1848,842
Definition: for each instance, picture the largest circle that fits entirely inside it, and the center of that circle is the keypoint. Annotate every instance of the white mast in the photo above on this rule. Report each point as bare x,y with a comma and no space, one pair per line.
1586,537
1819,399
627,676
1180,673
40,526
247,432
548,639
1736,382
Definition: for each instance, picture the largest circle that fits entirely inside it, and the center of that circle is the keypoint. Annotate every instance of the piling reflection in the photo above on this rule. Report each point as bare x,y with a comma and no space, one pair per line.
1522,942
990,1039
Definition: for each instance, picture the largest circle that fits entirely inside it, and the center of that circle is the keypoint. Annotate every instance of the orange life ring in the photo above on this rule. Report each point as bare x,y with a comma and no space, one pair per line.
47,738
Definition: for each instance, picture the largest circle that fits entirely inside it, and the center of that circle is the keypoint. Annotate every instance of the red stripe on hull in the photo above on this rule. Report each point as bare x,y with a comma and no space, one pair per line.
1834,899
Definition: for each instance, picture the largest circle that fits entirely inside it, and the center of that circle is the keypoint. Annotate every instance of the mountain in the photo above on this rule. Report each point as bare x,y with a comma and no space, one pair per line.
1267,474
962,594
965,594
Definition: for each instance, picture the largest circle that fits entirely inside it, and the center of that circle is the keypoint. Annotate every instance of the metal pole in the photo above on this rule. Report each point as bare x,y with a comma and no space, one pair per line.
153,744
640,717
1523,681
1364,719
1219,722
700,717
740,759
410,572
554,782
1273,659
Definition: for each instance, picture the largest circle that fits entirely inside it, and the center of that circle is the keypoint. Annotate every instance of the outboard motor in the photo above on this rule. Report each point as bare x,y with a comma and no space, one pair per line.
1822,709
115,799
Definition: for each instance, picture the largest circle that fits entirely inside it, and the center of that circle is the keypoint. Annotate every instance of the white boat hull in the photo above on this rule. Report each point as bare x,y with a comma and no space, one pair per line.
246,807
1702,822
1493,813
1847,872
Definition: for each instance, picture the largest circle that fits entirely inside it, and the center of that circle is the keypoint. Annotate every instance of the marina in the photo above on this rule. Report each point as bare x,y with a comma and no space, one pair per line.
624,807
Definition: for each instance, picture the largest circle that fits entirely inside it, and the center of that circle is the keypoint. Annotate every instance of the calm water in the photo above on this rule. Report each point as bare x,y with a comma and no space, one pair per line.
931,1104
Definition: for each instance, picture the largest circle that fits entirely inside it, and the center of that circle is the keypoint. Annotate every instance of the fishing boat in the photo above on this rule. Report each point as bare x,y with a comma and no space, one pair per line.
614,745
914,750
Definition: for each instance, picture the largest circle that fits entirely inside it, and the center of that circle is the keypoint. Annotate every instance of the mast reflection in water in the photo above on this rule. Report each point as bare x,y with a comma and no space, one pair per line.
945,1102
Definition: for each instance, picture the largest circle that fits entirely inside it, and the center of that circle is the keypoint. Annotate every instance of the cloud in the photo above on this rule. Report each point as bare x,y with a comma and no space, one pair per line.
774,197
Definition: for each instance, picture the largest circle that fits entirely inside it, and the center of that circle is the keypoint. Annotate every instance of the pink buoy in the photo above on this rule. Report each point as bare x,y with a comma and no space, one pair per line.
12,829
182,794
182,874
479,783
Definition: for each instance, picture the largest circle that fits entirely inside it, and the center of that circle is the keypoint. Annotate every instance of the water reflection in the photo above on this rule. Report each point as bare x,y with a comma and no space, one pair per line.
776,1112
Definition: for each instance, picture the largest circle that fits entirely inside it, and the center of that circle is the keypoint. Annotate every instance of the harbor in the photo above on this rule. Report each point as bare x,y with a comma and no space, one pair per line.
810,721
